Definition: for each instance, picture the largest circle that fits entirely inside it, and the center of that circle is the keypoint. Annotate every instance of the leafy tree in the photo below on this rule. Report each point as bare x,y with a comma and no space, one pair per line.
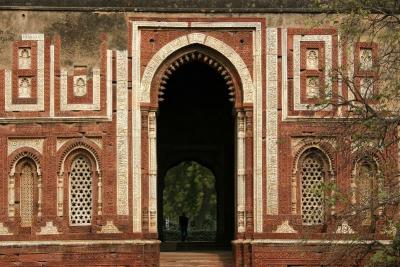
190,188
370,120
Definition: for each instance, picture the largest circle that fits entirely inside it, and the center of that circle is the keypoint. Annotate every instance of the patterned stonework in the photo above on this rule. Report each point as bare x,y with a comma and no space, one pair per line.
4,230
122,133
97,140
366,87
79,89
25,89
24,58
344,228
366,58
297,39
80,85
109,228
312,59
241,165
285,228
272,121
61,141
14,144
312,87
48,229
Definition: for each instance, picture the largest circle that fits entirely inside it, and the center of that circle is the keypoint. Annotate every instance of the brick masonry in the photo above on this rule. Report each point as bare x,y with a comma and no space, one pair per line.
106,112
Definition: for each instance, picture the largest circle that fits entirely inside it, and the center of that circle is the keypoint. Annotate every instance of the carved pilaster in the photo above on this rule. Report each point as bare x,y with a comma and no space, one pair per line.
40,195
249,171
60,195
241,161
100,195
11,196
294,193
152,172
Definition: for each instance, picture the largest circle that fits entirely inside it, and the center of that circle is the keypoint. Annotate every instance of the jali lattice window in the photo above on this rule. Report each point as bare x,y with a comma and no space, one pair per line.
80,211
366,187
312,197
26,200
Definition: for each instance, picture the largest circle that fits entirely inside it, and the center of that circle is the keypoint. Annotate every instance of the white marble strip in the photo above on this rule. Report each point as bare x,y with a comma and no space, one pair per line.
136,131
272,121
285,99
109,85
52,81
303,241
78,242
122,133
257,136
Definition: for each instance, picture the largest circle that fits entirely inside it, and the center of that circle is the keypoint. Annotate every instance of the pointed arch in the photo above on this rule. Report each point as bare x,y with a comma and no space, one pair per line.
67,154
212,44
313,166
25,186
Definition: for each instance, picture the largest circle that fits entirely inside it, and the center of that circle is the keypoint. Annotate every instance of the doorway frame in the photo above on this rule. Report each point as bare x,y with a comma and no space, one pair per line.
248,116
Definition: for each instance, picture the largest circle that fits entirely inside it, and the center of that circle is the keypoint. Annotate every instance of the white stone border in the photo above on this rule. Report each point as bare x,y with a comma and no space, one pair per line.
39,106
78,242
327,38
252,87
65,106
309,241
297,39
271,123
122,133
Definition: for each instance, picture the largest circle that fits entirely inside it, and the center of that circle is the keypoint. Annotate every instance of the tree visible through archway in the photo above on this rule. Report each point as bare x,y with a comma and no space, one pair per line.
190,188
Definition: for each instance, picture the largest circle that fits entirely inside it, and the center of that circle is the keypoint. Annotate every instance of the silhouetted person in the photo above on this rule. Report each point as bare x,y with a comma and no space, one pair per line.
183,225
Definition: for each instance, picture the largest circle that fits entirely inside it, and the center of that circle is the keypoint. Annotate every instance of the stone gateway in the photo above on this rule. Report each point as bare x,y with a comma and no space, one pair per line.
98,99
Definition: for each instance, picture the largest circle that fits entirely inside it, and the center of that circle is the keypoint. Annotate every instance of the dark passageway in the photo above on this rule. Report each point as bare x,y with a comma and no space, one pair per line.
195,123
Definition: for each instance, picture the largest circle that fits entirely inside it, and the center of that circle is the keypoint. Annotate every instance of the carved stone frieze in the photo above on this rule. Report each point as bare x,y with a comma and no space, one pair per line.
48,229
4,230
24,58
24,87
79,85
16,143
272,121
344,228
122,133
285,228
109,228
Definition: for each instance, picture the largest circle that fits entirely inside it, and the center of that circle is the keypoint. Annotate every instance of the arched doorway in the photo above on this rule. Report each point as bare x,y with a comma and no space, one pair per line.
196,121
189,189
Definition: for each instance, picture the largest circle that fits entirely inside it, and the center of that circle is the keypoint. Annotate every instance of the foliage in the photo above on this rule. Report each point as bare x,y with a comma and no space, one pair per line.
370,121
190,188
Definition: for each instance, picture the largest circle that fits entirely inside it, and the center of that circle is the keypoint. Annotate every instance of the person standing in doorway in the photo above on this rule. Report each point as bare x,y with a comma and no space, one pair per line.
183,225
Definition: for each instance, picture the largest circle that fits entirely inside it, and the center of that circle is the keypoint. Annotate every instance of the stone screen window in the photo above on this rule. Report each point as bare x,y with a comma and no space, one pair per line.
366,188
81,202
26,199
312,197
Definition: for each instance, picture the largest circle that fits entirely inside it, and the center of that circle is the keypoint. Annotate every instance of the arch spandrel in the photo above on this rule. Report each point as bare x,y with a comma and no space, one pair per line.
197,38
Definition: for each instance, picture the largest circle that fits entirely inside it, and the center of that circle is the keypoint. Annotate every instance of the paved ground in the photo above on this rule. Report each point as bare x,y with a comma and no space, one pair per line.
196,259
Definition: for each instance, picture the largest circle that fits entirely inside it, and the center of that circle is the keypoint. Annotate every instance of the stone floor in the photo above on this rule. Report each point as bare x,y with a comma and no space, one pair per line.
196,259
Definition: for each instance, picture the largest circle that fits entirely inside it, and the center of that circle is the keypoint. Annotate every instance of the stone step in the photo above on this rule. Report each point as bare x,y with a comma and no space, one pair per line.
196,259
